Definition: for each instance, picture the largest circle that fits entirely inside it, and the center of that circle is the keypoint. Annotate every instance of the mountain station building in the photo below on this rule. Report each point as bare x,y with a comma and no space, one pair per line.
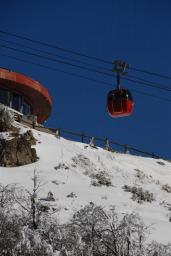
24,95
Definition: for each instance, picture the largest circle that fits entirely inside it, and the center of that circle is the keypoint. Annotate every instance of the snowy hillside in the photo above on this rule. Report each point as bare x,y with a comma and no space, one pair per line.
77,174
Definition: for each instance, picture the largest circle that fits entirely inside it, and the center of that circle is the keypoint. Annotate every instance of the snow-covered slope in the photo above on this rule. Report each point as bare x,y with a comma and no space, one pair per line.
70,170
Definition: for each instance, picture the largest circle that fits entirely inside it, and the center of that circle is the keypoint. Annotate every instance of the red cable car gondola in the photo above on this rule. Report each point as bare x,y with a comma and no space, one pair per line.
119,103
119,100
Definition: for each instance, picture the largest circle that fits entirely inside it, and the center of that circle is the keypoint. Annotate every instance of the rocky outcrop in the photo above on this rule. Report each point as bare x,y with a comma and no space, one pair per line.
15,148
6,119
18,150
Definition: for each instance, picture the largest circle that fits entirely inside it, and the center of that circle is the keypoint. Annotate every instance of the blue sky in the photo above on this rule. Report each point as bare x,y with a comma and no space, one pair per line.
135,31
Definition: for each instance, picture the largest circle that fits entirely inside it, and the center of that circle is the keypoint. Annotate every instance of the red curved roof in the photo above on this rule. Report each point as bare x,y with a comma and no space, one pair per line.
37,95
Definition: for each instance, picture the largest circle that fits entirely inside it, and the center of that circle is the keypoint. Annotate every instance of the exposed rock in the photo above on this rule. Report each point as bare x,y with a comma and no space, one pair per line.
28,135
15,150
18,151
5,128
6,119
161,163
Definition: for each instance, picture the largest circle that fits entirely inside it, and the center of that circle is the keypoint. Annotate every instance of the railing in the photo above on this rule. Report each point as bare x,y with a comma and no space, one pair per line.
107,144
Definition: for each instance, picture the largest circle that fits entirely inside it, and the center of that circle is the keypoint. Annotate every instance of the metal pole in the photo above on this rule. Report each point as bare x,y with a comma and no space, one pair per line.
118,80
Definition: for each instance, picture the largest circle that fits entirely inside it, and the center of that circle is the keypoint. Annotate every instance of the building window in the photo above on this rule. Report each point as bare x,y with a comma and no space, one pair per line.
16,101
26,108
5,97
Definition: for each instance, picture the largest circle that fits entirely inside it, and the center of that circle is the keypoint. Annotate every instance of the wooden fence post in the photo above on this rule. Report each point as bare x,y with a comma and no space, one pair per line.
58,133
92,142
107,145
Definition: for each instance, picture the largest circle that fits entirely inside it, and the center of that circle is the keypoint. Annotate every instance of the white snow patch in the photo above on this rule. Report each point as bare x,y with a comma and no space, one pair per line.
65,166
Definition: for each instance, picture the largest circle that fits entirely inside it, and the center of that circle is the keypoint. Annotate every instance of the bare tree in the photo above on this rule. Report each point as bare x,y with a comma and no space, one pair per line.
89,223
100,233
10,234
29,203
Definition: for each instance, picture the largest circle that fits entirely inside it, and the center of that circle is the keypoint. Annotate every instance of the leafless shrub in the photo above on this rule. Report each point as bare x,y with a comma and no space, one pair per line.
56,182
139,195
10,233
61,166
84,163
158,249
6,195
139,174
166,188
101,179
72,195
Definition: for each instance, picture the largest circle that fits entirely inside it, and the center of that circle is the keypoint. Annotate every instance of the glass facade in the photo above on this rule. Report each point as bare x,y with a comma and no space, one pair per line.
15,101
26,110
5,97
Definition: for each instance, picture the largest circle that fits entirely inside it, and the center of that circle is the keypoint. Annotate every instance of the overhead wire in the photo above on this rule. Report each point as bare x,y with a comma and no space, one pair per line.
53,54
79,66
75,60
55,60
81,76
150,73
149,84
80,54
53,69
56,47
